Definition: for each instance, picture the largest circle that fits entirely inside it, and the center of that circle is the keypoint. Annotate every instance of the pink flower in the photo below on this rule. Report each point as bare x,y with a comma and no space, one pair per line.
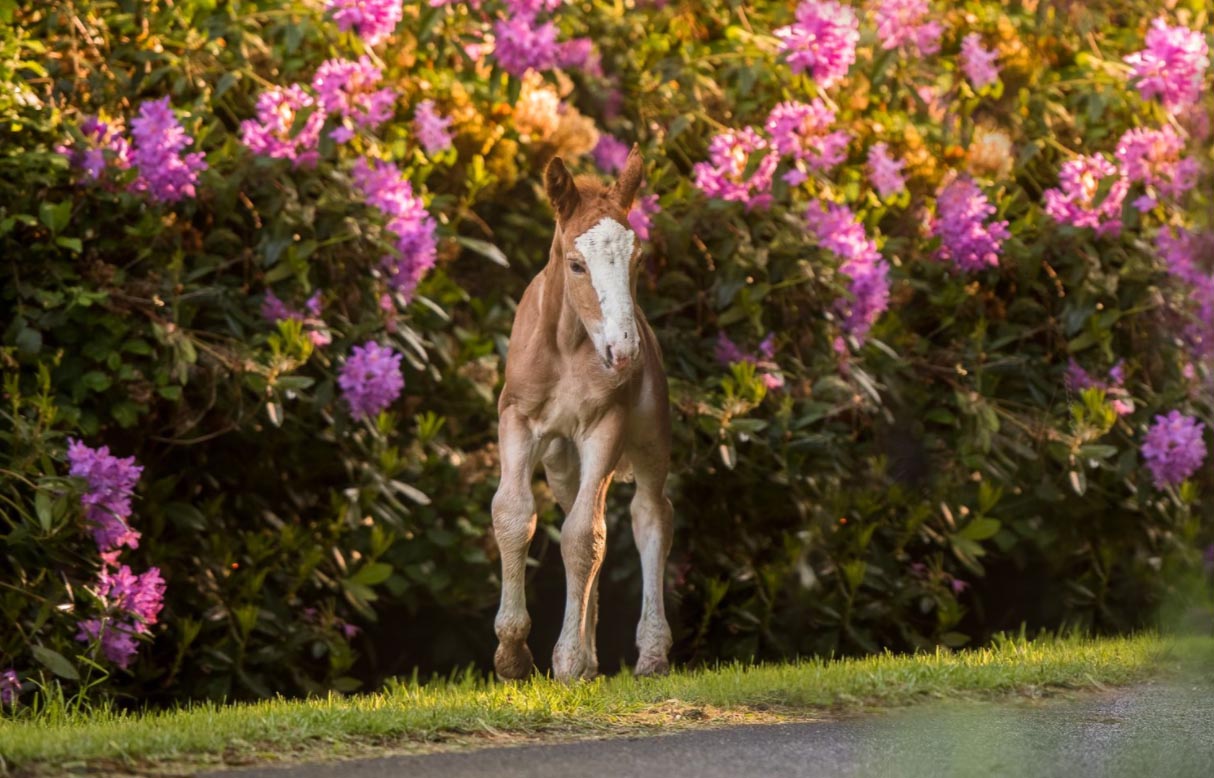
640,217
371,379
269,135
1174,448
521,43
822,41
885,172
159,140
802,131
416,243
109,484
724,175
431,128
373,20
1172,66
902,22
966,239
610,153
978,62
1153,158
10,687
1075,200
105,145
349,89
117,639
838,230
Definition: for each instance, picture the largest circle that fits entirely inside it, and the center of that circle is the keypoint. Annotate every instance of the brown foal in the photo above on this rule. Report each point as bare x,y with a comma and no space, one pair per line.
585,394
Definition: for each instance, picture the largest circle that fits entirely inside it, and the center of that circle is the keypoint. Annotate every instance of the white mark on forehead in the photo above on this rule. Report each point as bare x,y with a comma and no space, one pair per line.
607,248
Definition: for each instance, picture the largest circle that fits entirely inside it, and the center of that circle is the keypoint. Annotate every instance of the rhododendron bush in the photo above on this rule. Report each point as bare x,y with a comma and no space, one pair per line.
934,283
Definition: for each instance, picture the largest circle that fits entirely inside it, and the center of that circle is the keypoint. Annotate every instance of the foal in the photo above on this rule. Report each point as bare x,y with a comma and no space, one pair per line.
585,394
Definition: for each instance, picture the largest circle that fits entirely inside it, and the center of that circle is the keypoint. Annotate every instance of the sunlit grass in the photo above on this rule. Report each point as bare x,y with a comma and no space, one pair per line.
56,735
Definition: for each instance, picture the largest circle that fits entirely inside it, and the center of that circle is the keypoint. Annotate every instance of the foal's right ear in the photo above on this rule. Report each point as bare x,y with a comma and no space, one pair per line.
562,192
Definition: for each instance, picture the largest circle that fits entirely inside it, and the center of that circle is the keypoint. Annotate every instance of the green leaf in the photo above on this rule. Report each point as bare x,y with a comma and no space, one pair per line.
55,662
372,573
96,380
42,507
55,215
485,249
981,528
73,244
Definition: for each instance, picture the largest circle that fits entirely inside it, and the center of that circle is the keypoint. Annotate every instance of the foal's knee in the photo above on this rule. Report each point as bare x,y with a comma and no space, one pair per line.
512,511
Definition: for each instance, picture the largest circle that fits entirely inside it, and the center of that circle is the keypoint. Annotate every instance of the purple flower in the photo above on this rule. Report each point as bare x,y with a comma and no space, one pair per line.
838,230
105,145
727,352
640,218
269,135
724,175
118,641
822,40
407,218
1153,158
372,20
371,379
275,310
1174,448
10,687
1180,256
1172,66
802,131
431,128
978,62
107,497
957,585
885,172
579,53
610,153
521,43
159,139
349,89
138,597
1074,201
901,22
966,239
1077,379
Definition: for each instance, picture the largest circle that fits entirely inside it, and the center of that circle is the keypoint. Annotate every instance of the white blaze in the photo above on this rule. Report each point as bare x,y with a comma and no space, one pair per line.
607,248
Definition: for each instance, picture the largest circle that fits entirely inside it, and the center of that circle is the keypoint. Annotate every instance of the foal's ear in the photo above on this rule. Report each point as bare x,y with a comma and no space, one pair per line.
562,192
624,190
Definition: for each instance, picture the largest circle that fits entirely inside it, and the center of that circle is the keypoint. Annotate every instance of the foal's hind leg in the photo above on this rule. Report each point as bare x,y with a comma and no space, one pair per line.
514,526
563,470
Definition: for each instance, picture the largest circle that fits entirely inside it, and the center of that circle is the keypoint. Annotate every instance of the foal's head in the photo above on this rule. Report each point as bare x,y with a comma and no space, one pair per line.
598,253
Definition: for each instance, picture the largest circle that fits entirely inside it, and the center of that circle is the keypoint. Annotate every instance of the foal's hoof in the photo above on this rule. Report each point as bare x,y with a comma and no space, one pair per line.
652,665
513,663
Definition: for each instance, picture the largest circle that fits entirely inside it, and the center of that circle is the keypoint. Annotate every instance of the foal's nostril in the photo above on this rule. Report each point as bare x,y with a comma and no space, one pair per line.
609,354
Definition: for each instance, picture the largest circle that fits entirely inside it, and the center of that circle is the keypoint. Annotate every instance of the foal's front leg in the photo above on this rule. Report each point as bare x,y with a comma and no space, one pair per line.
583,544
514,526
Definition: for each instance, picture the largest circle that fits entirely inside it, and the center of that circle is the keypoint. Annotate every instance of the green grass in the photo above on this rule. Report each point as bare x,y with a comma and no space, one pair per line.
410,713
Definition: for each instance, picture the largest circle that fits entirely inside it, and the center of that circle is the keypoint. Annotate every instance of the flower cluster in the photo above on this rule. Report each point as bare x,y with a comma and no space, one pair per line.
431,128
10,687
385,189
729,353
275,310
131,604
1174,447
105,145
901,23
110,481
885,172
1077,200
978,62
724,177
1172,65
372,20
521,43
350,89
640,218
1180,252
967,239
1077,379
270,133
610,153
159,140
371,379
1153,158
802,131
822,41
838,230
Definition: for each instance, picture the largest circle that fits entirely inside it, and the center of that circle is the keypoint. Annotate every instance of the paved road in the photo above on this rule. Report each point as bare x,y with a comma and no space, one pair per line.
1152,731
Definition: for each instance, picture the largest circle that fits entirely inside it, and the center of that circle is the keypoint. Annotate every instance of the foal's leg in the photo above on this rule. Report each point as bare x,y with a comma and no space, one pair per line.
583,543
564,471
652,529
514,526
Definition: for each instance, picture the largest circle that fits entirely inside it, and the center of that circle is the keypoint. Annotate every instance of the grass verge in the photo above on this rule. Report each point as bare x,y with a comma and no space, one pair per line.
55,740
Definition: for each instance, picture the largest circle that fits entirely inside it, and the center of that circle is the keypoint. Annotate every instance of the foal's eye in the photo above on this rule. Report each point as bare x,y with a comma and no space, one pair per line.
577,267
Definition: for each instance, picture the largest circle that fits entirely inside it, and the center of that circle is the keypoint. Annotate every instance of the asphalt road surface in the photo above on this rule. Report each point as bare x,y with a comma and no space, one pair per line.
1149,731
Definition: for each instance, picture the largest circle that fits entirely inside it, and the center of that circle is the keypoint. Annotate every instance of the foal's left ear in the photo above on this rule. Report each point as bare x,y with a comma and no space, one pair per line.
624,190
